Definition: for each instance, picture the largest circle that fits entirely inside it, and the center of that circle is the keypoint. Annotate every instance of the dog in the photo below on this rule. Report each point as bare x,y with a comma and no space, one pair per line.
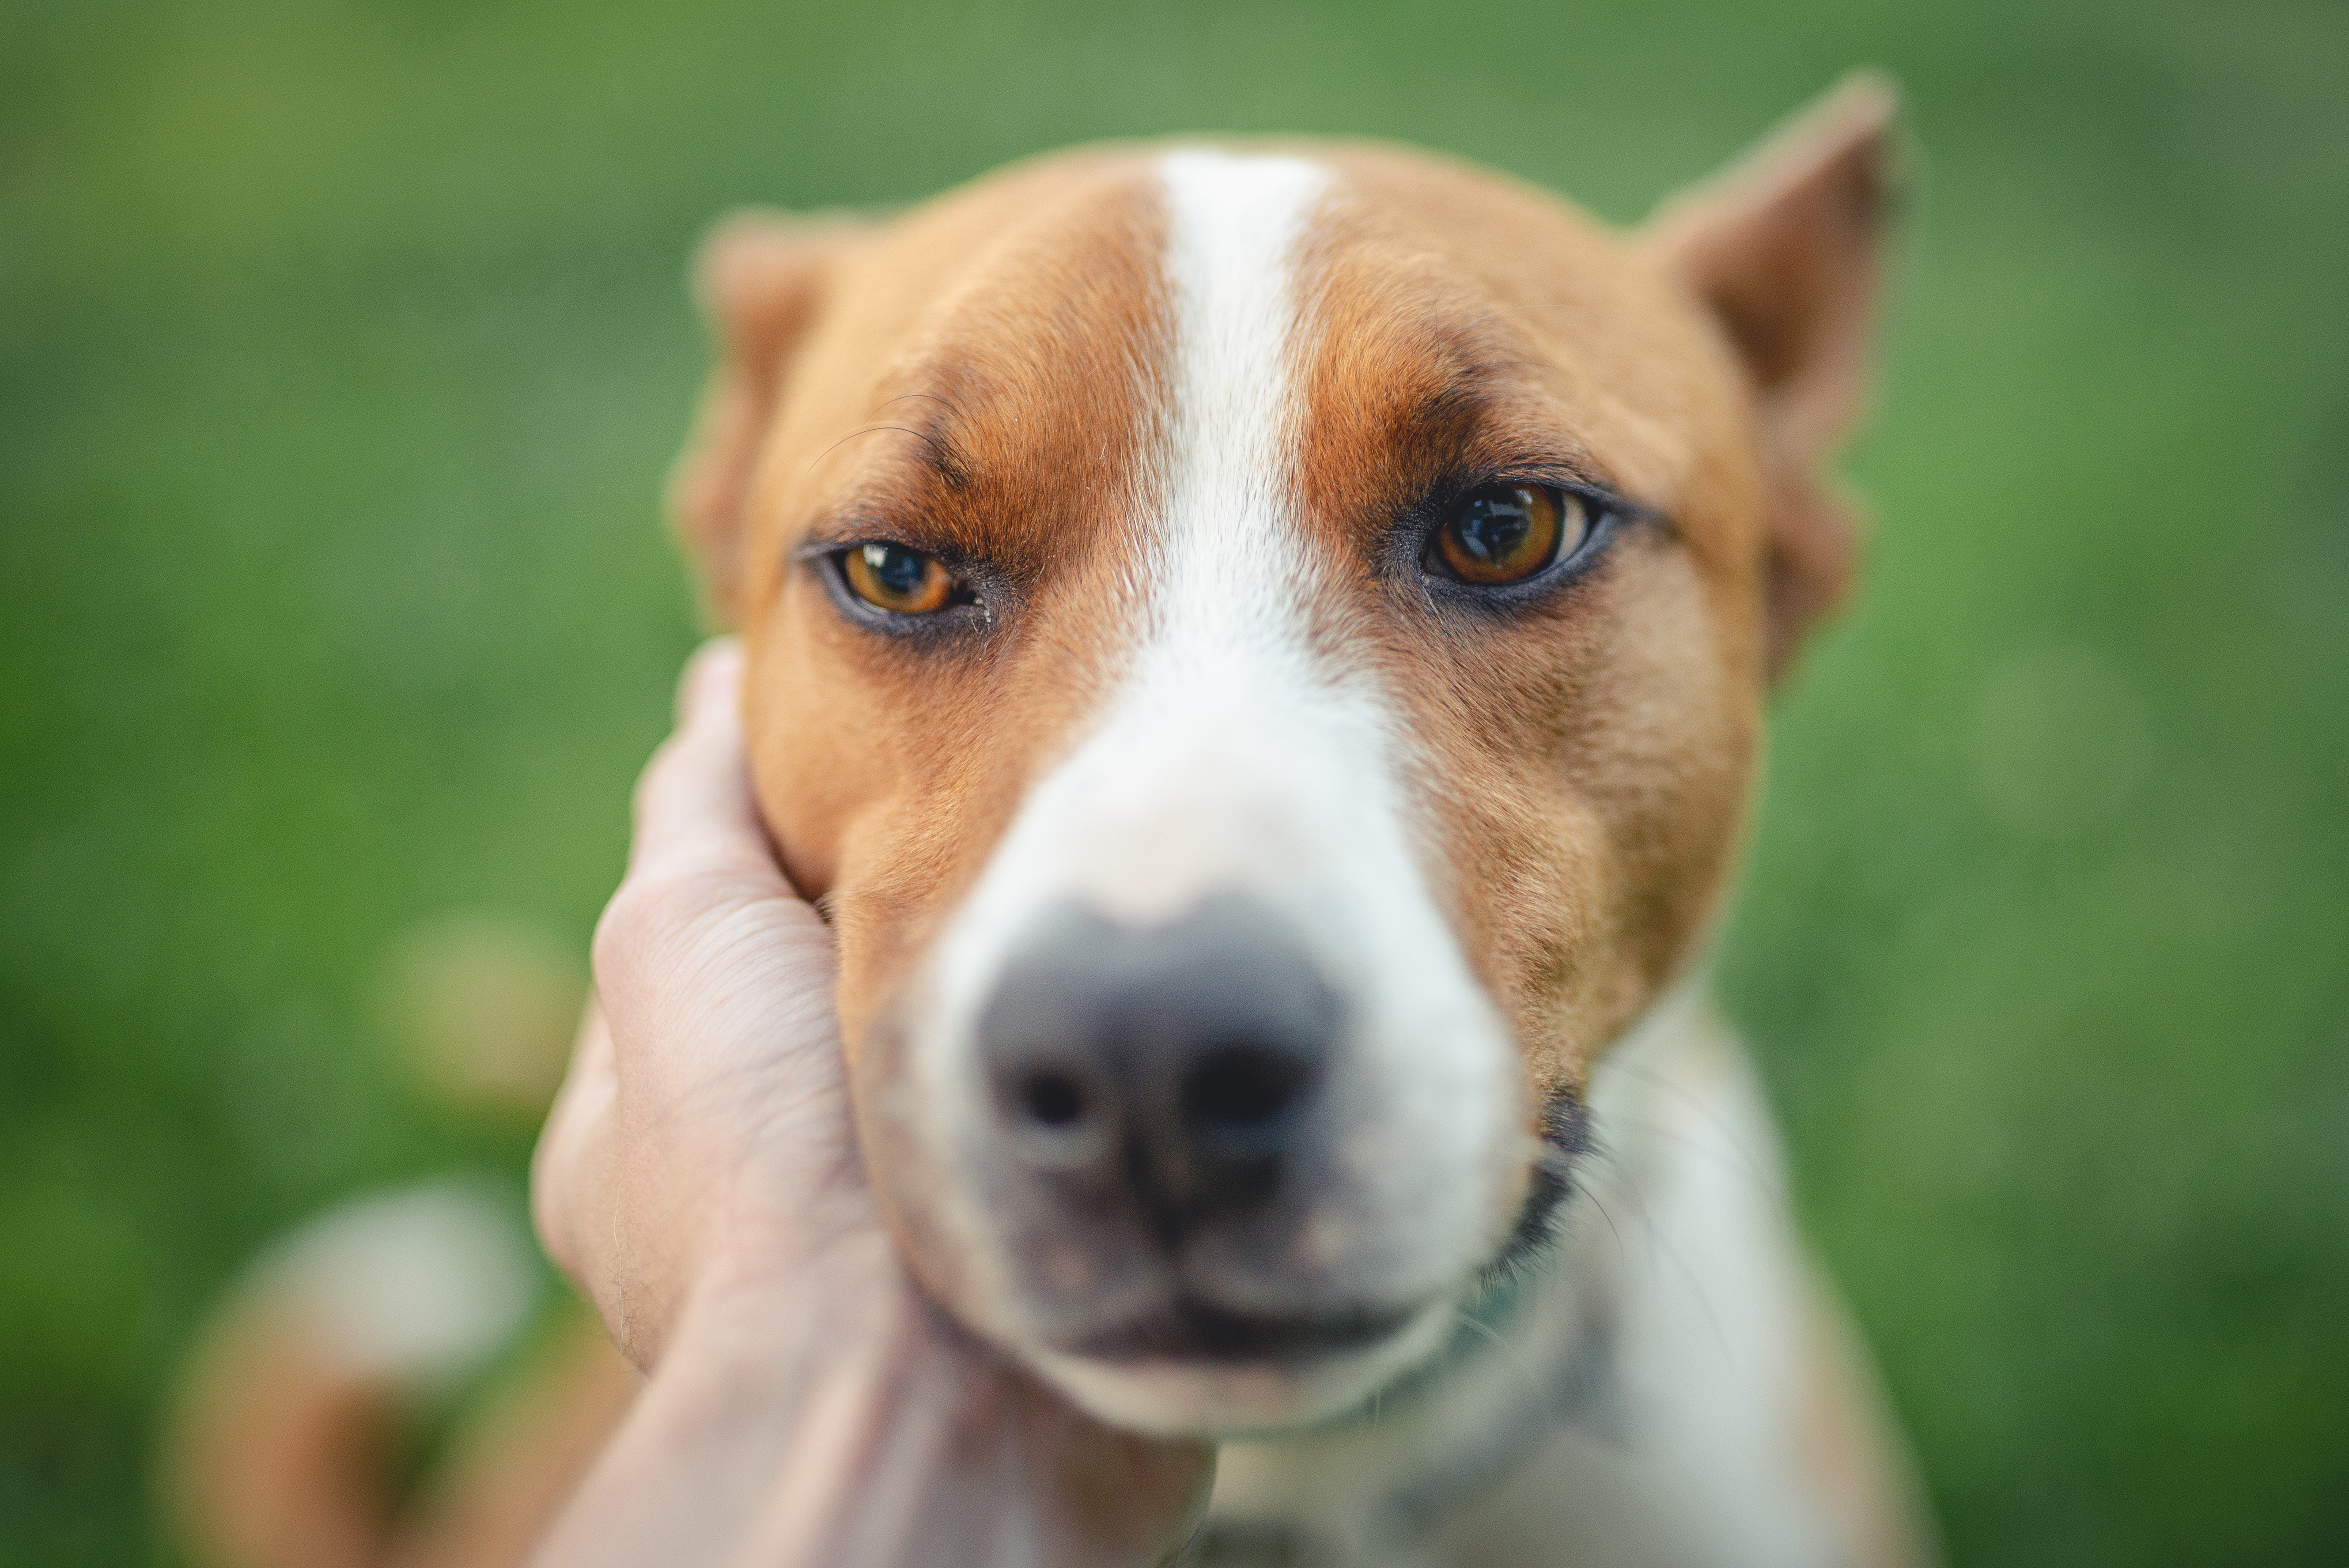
1260,649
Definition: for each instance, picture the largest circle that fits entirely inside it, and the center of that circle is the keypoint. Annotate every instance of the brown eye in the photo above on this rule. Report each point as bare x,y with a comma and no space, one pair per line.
891,577
1505,534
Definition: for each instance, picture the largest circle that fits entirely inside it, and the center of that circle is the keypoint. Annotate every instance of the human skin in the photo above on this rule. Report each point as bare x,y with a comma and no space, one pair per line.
699,1179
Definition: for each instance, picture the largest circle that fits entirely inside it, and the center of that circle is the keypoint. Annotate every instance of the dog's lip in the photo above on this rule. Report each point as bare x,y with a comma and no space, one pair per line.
1190,1330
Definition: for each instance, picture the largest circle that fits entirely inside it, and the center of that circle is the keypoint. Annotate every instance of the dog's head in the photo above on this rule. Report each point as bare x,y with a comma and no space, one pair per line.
1259,652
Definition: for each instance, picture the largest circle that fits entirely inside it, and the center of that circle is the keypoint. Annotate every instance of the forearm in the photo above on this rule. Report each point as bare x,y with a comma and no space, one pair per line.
750,1441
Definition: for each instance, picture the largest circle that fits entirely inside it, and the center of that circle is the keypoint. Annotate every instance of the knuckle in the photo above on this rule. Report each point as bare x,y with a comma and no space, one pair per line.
653,920
634,924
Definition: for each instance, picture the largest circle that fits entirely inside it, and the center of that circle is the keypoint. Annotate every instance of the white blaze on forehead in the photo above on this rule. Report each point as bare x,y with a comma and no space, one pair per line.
1231,758
1225,747
1238,577
1224,641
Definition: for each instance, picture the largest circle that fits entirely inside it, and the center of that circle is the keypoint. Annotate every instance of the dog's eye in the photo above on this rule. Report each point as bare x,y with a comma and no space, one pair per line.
891,577
1506,532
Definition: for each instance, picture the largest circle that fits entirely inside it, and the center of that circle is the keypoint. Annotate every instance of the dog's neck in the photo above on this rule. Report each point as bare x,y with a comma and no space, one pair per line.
1534,1351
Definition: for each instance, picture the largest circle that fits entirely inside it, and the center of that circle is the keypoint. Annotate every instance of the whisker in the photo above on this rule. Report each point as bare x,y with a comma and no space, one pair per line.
1622,1254
1494,1334
938,452
1736,1161
1665,1248
930,397
1704,1112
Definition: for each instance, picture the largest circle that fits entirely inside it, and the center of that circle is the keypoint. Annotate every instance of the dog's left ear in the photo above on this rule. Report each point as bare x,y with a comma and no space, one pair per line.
1783,250
760,278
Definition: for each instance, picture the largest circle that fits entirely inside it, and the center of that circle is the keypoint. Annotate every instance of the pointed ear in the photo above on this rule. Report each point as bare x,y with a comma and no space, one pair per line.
1783,249
760,279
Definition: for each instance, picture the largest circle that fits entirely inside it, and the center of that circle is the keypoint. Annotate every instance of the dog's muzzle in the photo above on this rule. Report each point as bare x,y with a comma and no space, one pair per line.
1205,1115
1163,1104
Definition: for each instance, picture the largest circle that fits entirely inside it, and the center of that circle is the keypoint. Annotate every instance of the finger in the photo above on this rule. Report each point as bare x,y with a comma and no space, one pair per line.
566,1166
694,807
712,675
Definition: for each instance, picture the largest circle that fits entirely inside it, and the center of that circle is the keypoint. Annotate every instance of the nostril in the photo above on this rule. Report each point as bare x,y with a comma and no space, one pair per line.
1058,1115
1243,1088
1054,1099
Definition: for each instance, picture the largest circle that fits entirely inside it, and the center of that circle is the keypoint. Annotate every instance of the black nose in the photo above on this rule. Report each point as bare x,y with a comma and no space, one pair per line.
1171,1067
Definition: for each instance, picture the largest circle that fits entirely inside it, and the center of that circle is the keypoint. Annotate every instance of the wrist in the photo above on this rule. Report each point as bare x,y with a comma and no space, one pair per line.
766,1300
735,1448
721,1250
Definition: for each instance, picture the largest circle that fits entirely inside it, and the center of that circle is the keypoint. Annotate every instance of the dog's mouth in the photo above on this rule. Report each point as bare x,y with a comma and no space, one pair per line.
1192,1367
1193,1331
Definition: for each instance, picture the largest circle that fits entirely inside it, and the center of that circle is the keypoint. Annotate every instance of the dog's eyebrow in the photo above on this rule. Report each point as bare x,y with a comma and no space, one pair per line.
1464,368
937,431
1451,396
934,429
1466,408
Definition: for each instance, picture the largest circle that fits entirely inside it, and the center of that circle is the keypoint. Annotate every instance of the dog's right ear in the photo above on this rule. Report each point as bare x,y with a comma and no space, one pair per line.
760,279
1784,250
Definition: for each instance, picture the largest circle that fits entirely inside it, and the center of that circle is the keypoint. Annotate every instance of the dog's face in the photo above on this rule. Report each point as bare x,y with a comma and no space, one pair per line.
1259,654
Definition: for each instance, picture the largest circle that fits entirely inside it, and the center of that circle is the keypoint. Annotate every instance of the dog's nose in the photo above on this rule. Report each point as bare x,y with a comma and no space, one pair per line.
1172,1068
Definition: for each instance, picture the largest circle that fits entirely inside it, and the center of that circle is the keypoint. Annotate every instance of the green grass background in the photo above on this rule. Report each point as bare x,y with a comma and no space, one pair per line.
342,348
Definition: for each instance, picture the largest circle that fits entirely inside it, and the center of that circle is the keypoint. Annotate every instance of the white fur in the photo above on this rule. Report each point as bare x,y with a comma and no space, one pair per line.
1232,758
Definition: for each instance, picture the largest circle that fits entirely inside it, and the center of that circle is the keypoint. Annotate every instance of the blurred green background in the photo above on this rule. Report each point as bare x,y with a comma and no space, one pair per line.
343,347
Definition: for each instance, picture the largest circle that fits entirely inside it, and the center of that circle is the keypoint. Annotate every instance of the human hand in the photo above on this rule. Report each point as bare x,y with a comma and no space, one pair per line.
699,1179
701,1140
